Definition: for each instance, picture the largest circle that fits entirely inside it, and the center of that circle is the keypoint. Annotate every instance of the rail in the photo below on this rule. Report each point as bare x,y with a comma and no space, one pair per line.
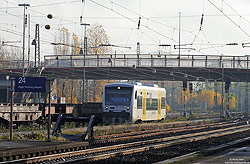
94,154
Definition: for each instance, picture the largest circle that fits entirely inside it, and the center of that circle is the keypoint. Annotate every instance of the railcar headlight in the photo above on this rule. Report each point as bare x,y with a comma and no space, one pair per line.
127,107
107,107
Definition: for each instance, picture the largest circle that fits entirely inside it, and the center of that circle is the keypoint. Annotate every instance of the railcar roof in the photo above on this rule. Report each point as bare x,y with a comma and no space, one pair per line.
131,84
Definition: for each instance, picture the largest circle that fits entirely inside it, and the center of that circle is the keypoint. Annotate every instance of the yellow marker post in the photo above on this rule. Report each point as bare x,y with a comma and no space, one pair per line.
144,104
159,105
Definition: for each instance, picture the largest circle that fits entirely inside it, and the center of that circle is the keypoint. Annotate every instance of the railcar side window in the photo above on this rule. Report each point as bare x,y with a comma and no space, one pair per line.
135,94
163,103
152,104
139,102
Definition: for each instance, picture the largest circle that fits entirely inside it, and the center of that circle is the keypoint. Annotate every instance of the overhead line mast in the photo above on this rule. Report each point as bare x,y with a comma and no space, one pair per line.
24,25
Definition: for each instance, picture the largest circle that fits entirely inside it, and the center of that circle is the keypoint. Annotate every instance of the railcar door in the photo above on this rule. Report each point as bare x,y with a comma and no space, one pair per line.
144,104
159,105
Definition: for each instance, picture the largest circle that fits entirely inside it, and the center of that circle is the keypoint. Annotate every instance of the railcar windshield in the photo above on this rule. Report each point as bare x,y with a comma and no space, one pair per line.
119,96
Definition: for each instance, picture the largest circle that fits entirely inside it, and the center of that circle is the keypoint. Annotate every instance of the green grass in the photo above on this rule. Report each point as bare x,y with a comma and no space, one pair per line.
3,129
33,136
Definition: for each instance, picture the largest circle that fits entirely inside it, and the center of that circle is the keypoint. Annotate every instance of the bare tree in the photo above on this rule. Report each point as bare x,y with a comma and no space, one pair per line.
97,39
70,89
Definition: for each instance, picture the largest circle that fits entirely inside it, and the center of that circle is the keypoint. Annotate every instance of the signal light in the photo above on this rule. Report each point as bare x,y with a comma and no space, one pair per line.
227,86
49,16
190,87
127,107
107,107
47,27
184,85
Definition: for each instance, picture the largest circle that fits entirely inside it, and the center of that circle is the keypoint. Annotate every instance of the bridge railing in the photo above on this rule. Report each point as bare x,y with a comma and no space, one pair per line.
156,60
15,64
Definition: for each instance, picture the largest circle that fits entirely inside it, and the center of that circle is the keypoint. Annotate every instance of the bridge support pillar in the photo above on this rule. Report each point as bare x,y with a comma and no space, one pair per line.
173,95
222,100
87,91
83,93
238,92
246,98
215,96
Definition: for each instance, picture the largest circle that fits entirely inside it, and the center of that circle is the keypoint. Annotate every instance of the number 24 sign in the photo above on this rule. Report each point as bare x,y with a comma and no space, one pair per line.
21,80
30,84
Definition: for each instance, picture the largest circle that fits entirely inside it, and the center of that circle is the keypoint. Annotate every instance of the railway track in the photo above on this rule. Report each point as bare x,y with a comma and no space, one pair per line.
159,133
146,144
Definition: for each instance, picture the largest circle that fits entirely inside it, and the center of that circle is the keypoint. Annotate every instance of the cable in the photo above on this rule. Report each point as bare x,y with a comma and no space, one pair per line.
236,12
229,18
160,22
210,44
82,12
132,20
52,4
129,36
149,36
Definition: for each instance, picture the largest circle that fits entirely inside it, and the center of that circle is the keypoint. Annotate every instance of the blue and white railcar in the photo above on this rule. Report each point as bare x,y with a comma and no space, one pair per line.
133,102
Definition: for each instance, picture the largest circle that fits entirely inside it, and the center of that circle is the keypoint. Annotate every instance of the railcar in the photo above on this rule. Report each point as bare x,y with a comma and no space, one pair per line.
133,102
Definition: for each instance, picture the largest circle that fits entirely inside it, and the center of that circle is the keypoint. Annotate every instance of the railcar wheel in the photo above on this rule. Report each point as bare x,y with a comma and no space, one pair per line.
138,121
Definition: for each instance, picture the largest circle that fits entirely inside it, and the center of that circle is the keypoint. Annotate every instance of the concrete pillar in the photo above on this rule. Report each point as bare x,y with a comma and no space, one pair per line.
246,98
215,96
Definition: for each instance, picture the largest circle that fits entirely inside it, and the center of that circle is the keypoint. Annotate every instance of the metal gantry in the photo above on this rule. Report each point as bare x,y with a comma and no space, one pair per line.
36,42
24,25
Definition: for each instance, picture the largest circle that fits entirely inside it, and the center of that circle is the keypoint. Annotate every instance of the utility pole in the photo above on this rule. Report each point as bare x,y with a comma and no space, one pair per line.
49,110
138,54
215,96
84,56
222,92
138,43
11,107
179,55
239,96
191,94
24,24
184,104
246,98
173,102
29,42
36,43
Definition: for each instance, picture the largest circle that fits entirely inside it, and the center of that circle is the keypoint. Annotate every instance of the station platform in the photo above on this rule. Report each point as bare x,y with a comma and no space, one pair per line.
236,152
13,150
231,156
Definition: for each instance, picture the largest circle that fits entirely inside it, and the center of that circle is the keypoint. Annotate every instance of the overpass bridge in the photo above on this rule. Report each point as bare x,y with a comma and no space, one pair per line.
169,67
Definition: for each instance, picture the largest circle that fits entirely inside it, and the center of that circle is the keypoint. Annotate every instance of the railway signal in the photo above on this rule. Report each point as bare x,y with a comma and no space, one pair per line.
190,87
227,86
184,85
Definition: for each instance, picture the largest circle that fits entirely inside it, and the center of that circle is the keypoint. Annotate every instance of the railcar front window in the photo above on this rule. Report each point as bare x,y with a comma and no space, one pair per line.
118,97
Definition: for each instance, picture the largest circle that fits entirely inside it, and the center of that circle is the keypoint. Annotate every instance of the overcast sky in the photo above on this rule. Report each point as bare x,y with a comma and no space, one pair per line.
224,22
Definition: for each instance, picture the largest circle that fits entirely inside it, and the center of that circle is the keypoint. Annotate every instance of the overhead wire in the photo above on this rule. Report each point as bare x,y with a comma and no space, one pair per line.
196,35
149,36
114,27
129,36
82,11
229,18
52,4
48,36
132,20
241,17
